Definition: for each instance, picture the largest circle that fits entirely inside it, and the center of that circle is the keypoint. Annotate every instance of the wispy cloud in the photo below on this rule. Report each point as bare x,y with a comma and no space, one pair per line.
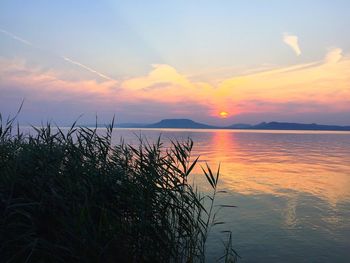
293,42
334,55
15,37
88,68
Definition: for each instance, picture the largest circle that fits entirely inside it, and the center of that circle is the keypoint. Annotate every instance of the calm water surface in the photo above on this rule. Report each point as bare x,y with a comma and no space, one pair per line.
292,190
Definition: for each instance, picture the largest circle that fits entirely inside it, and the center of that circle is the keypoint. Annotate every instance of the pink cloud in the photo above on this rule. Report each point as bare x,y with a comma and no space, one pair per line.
313,87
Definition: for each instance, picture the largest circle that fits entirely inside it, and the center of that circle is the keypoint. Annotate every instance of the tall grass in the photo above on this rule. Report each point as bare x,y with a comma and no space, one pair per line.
72,196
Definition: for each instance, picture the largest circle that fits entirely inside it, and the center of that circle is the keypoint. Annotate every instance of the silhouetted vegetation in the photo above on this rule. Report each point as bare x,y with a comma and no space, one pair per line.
72,196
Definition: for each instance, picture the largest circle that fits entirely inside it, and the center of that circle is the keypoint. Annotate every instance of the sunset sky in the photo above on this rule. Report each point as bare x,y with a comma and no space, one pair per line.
218,62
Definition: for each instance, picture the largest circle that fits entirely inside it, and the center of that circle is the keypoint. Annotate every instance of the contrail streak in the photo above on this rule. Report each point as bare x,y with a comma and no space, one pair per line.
88,68
15,37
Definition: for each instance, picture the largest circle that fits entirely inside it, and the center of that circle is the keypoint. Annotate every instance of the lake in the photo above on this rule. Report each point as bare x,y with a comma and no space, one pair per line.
291,189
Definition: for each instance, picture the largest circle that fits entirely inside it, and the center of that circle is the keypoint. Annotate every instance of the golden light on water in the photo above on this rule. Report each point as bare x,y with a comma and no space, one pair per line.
249,168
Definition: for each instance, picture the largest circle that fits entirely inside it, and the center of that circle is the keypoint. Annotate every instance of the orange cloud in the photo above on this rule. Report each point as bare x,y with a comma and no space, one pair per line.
326,83
306,87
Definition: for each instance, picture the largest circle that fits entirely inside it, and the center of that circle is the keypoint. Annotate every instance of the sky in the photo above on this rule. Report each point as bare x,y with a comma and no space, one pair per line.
218,62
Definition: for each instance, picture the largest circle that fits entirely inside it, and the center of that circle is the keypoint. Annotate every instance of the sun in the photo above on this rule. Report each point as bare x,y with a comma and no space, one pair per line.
223,114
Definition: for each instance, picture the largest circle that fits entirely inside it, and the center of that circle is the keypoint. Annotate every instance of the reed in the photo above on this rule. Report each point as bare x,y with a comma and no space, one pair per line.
73,196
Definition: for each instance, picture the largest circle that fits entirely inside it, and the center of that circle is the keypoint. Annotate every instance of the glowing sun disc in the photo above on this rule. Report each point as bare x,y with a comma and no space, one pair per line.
223,114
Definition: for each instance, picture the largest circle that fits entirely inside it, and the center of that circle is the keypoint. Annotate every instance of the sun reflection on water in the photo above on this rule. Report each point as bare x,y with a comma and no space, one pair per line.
278,165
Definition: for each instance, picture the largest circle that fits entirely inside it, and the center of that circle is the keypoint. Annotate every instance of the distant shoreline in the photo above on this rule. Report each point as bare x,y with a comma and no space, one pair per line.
190,124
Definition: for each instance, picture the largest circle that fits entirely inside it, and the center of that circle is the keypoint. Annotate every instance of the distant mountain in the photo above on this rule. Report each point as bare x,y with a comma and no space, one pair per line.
190,124
298,126
180,123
